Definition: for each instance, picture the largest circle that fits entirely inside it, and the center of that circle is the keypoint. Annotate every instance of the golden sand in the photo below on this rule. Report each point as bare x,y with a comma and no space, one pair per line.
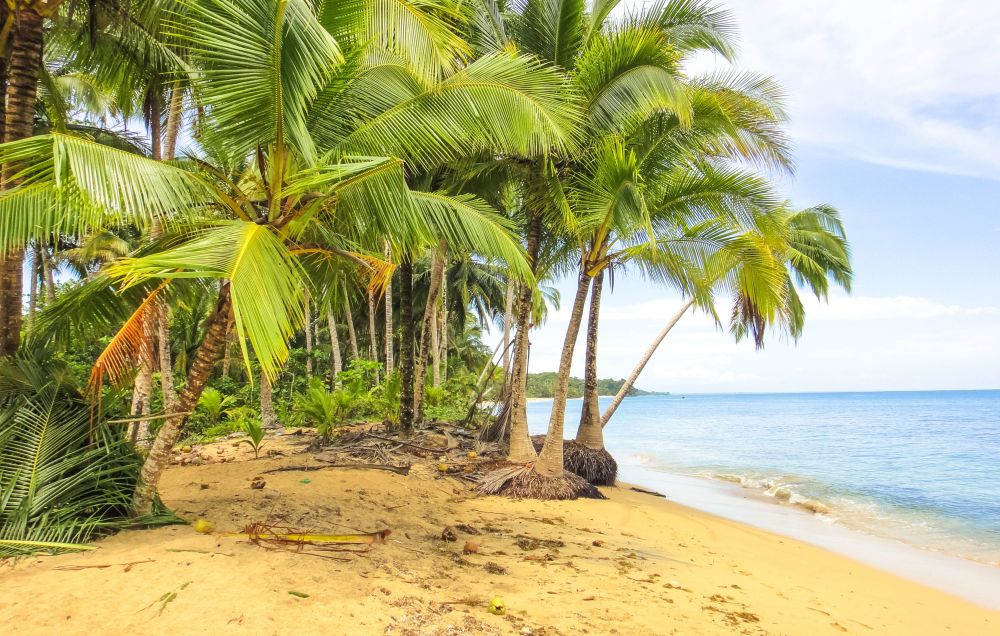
634,564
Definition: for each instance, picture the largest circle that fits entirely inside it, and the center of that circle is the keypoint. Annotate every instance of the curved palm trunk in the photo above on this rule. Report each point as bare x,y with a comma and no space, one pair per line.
406,343
23,68
216,326
427,325
175,110
550,460
335,362
590,432
388,317
352,336
520,449
630,382
165,359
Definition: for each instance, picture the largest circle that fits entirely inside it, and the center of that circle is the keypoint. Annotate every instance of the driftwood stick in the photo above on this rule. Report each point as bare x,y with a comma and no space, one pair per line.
401,470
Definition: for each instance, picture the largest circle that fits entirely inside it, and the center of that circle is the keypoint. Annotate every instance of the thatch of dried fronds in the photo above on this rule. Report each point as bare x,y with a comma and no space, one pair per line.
521,482
596,466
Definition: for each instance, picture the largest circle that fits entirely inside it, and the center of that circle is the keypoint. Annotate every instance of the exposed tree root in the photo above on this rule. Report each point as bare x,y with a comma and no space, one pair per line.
596,466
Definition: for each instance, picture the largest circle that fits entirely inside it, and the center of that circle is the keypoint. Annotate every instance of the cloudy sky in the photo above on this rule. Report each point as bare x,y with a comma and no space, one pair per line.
896,122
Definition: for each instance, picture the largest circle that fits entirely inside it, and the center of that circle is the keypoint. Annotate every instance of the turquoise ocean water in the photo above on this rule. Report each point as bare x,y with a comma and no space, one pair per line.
919,467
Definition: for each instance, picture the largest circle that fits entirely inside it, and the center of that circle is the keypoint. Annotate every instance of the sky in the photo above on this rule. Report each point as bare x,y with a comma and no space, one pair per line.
895,108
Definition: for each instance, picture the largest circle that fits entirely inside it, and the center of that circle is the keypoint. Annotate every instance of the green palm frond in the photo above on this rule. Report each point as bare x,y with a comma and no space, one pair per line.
265,283
552,29
260,64
501,103
73,186
424,33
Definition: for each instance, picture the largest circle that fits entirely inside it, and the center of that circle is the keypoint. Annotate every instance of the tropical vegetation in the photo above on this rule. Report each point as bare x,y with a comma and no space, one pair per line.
328,204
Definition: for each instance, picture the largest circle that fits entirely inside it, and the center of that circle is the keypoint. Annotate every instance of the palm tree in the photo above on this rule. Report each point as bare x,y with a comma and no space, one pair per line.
298,125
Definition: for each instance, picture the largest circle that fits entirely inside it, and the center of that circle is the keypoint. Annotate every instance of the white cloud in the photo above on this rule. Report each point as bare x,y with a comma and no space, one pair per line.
907,83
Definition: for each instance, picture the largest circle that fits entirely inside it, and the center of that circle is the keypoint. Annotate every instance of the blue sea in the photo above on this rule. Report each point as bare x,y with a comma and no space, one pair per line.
916,467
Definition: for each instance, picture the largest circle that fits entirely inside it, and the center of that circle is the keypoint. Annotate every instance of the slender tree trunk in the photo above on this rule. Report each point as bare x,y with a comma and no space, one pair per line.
351,335
521,450
165,359
508,317
550,460
309,338
630,382
24,65
201,370
427,325
49,276
372,338
143,389
589,432
335,362
268,418
388,317
435,349
36,262
406,343
443,327
174,114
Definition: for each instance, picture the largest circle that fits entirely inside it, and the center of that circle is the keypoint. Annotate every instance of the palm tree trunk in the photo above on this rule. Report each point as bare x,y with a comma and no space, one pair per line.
335,362
520,449
48,276
388,317
268,418
406,343
174,114
165,359
443,327
372,338
435,348
24,65
508,316
36,262
550,460
309,339
201,370
351,335
427,325
590,433
630,382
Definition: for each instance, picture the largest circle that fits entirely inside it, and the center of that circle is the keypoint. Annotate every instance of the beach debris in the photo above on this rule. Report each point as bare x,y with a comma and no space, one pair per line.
305,481
472,455
449,534
257,483
272,537
495,568
166,599
402,470
442,467
597,543
497,607
466,528
127,568
298,594
648,492
203,526
527,543
471,547
673,585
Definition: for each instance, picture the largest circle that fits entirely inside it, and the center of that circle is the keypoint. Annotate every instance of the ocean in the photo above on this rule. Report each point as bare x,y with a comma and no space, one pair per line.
916,468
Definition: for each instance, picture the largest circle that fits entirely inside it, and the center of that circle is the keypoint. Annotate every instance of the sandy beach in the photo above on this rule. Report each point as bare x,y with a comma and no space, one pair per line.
632,564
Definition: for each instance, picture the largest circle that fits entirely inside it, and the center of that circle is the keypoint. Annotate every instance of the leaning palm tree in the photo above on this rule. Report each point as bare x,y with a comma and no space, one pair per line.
787,251
307,127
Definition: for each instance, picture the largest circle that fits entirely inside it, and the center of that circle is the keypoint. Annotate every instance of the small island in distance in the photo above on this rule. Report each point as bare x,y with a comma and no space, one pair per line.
542,385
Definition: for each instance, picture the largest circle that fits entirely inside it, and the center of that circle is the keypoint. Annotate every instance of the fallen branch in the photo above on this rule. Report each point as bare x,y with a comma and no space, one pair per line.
401,470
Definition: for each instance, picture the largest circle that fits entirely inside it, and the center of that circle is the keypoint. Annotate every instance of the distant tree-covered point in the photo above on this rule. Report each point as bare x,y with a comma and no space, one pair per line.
542,385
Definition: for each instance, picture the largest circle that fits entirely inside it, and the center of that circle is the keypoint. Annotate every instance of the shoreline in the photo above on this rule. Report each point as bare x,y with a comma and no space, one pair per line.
971,580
